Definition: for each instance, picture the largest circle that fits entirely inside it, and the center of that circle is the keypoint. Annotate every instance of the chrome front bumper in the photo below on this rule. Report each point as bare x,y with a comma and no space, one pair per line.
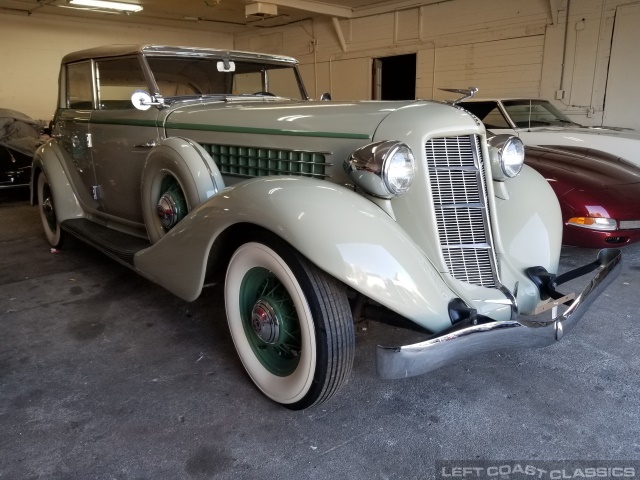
450,346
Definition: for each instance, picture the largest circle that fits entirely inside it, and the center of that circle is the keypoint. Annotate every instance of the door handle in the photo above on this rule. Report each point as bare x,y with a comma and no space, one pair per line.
149,144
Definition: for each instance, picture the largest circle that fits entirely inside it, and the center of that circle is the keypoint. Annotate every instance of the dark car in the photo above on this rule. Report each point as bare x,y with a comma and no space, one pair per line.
599,194
15,168
20,136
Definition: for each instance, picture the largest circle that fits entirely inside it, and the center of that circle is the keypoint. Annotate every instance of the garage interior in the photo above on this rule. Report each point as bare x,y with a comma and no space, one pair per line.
105,375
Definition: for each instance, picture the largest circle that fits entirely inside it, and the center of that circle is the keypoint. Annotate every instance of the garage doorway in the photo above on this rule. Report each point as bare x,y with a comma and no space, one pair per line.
394,78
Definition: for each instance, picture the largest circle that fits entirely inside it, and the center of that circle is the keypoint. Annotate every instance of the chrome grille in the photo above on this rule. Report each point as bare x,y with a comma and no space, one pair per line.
469,226
470,265
458,187
455,187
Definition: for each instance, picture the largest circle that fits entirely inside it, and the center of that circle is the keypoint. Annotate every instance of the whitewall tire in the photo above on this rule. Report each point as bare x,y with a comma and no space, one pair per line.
46,207
291,323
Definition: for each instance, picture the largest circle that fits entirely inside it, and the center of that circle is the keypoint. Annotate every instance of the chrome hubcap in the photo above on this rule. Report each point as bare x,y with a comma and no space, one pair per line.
48,210
168,210
47,206
265,323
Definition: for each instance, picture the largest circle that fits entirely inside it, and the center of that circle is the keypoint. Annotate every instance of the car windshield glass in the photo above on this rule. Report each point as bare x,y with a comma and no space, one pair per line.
535,113
177,77
488,112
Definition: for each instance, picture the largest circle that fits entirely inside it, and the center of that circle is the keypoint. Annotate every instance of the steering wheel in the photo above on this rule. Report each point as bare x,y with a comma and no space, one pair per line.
265,94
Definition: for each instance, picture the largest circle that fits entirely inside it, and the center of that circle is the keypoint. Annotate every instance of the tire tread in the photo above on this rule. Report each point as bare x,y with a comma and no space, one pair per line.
338,328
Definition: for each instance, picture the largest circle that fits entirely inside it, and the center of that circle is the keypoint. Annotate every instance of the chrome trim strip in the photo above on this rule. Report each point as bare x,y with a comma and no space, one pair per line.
409,360
482,166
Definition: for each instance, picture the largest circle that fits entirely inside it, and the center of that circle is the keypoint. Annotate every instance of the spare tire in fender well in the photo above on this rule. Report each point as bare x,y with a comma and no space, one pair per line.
194,171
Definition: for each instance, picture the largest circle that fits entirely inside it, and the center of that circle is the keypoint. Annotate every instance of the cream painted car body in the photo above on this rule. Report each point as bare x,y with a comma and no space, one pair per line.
456,246
621,142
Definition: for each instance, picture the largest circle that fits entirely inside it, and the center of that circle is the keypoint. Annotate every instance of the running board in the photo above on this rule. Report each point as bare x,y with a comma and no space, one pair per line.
118,245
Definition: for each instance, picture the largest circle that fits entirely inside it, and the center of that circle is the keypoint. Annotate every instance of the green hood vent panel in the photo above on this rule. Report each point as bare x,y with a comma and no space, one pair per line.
261,162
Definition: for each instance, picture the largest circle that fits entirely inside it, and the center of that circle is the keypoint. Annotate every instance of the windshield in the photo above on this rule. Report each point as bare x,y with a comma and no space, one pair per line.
535,113
188,76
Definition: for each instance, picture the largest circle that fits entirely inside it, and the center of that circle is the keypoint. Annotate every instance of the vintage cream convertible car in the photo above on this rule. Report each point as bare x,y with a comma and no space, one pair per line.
186,164
538,122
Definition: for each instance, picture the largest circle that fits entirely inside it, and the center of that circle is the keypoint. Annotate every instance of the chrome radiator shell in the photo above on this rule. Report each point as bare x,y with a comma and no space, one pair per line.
458,186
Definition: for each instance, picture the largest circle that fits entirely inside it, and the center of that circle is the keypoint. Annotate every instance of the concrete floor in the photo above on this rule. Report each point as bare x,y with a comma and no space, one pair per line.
105,375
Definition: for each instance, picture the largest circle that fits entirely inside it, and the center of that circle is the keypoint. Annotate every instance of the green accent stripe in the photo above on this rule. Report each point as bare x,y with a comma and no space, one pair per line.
227,128
264,131
126,121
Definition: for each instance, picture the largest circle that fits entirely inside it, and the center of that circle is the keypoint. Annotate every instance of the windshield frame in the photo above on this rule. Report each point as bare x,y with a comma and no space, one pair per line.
561,120
222,57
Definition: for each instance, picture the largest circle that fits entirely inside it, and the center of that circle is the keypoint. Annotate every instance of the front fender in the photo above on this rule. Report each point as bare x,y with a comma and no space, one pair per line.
529,232
338,230
48,159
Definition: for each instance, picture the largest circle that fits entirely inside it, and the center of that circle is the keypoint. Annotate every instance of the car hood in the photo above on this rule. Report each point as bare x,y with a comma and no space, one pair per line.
581,168
620,202
330,119
590,131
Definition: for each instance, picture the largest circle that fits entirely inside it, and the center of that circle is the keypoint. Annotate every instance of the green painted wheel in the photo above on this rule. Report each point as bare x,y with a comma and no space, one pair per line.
290,322
172,204
270,321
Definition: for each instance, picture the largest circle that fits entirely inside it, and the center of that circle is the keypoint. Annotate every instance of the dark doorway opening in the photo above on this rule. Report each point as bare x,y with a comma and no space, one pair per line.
394,78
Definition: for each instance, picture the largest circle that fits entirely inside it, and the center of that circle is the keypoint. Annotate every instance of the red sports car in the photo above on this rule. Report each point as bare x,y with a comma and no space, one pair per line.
599,194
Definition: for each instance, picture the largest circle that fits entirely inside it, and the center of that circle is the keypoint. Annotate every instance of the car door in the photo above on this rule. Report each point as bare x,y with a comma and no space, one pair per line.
71,126
122,137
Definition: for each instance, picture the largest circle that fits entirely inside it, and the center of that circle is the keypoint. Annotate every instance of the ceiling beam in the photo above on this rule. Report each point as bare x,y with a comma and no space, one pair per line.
553,6
336,25
380,8
315,7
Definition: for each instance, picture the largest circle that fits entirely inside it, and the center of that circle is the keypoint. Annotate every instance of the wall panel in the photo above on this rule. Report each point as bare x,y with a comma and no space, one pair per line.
506,47
351,79
502,68
31,49
622,101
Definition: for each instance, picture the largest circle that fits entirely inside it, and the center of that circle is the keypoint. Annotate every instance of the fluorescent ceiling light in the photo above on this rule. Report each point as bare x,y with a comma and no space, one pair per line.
123,7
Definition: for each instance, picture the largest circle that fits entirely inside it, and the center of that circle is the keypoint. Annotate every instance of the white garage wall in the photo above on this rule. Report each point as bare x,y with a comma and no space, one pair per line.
505,47
510,67
497,46
622,98
31,49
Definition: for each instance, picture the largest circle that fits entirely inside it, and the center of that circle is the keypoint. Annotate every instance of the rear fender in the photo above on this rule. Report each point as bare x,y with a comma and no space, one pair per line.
49,159
341,232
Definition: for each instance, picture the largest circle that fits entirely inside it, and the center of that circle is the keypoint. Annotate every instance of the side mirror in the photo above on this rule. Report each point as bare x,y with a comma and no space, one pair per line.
141,100
325,97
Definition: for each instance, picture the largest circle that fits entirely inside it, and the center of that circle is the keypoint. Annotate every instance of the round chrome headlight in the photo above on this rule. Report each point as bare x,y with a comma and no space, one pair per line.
398,169
382,169
507,156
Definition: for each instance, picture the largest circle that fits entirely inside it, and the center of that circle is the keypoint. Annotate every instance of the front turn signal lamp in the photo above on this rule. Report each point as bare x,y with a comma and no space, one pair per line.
594,223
